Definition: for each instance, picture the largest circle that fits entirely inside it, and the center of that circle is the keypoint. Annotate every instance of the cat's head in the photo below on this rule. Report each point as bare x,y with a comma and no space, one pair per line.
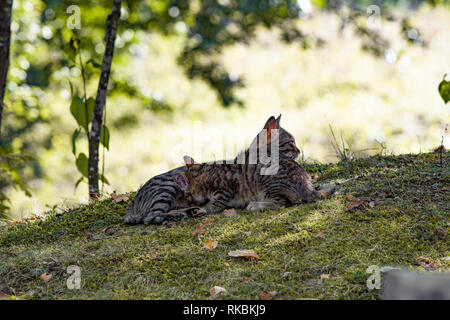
190,181
287,146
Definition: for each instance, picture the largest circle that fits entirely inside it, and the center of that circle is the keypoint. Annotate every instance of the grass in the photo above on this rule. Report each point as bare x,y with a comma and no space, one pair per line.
403,214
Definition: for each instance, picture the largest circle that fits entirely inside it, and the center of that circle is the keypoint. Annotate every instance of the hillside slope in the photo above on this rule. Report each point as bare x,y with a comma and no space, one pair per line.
389,211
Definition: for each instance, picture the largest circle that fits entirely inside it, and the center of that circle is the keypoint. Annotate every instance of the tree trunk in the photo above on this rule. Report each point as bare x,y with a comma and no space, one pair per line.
5,36
112,23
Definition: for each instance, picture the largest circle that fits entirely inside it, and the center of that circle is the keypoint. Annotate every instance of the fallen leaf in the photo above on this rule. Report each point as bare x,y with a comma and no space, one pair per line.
349,196
118,198
244,280
46,277
109,231
229,212
355,204
210,244
243,254
216,290
427,262
372,204
90,237
436,263
263,295
15,222
201,231
441,231
320,235
323,276
423,259
3,296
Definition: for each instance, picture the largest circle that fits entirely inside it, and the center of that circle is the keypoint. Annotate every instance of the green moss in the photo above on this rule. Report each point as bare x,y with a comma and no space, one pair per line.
410,202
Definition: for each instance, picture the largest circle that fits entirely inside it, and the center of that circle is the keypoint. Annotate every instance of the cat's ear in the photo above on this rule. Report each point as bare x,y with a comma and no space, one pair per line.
273,129
269,122
278,121
181,180
189,162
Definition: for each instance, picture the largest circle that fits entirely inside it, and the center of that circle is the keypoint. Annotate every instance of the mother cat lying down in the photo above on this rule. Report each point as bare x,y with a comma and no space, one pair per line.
214,187
174,194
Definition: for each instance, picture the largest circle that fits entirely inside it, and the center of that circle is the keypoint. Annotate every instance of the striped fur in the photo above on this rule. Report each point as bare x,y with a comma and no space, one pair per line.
214,187
161,198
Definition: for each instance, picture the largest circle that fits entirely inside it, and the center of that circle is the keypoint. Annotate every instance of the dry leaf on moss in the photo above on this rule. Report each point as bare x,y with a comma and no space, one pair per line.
46,277
229,212
3,296
264,295
320,235
243,254
216,290
355,204
427,262
210,244
109,231
118,198
201,231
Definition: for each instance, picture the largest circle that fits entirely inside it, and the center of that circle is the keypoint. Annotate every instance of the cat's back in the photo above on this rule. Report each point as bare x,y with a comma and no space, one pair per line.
157,191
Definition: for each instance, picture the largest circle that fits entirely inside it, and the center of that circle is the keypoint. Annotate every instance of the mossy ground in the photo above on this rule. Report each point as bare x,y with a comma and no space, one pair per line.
404,215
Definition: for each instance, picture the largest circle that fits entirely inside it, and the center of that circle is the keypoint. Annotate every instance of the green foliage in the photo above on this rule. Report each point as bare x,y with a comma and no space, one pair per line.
82,109
10,176
104,136
444,90
82,164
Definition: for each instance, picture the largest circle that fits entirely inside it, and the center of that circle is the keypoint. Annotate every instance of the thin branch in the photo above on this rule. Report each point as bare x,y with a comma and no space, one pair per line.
112,23
5,38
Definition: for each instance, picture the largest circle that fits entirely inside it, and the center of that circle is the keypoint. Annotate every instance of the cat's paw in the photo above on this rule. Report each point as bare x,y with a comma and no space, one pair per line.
200,212
327,190
164,217
132,219
194,211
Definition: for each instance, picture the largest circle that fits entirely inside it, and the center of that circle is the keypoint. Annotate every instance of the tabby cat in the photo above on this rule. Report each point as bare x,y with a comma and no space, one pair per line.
214,187
161,198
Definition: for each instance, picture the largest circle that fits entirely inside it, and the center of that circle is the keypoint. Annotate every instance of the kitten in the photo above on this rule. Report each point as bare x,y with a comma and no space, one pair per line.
214,187
161,198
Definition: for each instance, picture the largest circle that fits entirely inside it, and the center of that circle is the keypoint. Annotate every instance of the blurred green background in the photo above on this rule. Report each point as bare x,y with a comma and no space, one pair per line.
377,91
